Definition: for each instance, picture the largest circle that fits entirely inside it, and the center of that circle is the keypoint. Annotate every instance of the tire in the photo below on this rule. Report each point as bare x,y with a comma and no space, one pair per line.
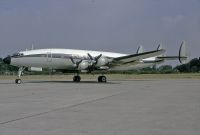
99,79
102,79
77,79
18,81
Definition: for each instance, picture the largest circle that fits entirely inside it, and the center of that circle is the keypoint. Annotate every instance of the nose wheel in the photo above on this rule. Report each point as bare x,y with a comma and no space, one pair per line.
102,79
20,71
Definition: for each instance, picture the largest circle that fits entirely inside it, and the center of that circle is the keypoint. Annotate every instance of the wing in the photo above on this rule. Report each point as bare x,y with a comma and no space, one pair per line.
134,58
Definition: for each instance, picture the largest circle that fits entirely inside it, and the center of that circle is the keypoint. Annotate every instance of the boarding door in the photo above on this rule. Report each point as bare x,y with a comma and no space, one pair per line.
49,57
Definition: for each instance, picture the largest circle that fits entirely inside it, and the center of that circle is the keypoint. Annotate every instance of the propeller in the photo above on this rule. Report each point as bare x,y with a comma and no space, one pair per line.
77,63
94,60
89,65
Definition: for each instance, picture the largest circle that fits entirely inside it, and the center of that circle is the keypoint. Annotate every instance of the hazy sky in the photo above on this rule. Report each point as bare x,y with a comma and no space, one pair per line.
110,25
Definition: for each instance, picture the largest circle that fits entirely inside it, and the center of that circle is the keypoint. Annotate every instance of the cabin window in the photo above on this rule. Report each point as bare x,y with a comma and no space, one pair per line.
56,55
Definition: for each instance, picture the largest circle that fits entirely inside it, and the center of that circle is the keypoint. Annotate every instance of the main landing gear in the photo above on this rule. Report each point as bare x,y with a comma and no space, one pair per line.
77,78
101,79
20,71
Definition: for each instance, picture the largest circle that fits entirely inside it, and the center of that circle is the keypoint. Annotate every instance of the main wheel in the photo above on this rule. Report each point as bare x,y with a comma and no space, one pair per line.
77,79
99,78
102,79
18,81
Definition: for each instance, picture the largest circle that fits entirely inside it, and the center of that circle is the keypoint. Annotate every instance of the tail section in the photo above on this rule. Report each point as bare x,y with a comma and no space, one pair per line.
160,47
182,57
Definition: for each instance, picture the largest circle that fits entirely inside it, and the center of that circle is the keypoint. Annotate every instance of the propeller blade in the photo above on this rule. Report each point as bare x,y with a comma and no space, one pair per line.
72,60
90,56
98,57
94,60
79,62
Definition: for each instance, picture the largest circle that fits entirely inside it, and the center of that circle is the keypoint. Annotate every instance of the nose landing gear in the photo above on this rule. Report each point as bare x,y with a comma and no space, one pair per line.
18,81
20,71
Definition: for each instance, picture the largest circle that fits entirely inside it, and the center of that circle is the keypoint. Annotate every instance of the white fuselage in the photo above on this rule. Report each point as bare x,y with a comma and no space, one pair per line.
60,58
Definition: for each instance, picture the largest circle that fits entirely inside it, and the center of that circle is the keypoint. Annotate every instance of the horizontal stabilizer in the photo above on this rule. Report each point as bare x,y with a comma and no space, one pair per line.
182,57
135,57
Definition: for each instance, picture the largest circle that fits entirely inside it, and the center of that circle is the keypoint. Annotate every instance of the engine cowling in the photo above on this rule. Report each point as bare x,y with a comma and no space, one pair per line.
36,69
102,62
83,65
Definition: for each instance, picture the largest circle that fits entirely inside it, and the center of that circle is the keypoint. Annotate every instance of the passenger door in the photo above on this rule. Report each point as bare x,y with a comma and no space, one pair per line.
49,57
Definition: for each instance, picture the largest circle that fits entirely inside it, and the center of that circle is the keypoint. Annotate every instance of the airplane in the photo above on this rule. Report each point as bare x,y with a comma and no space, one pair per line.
78,61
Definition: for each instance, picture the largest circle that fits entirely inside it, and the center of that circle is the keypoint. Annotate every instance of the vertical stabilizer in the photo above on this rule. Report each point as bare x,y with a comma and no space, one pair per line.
140,50
183,56
160,47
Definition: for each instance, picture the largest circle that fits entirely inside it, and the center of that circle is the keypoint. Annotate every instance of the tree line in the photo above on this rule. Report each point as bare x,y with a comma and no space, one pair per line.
192,67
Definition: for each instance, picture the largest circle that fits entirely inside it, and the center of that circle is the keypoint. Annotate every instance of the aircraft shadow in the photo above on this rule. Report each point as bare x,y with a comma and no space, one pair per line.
71,82
54,82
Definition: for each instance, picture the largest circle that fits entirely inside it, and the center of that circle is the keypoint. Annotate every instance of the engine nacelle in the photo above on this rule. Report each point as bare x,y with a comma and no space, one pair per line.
37,69
102,61
83,65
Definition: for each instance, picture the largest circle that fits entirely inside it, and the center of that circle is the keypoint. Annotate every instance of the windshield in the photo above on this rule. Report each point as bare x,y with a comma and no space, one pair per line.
17,54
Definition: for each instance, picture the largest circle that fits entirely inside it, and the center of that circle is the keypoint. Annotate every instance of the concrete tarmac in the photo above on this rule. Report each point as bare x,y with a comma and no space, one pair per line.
138,107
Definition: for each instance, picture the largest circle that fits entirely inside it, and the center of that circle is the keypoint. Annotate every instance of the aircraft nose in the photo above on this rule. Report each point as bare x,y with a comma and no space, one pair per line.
7,60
